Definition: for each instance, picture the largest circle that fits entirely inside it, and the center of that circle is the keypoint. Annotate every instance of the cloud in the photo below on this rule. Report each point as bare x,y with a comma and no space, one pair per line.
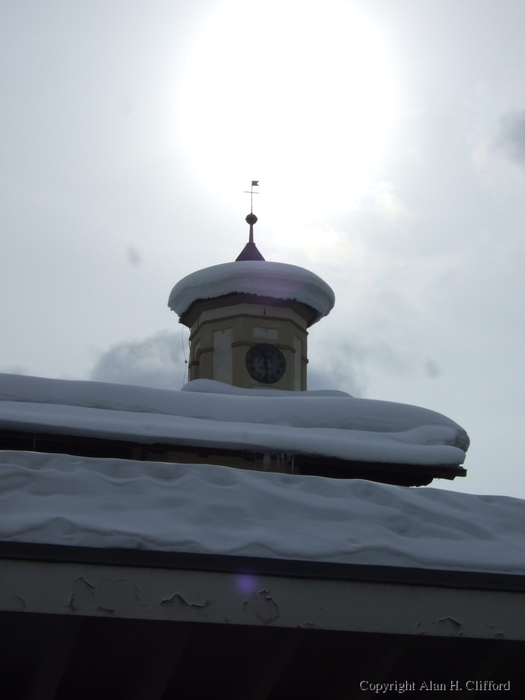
156,362
432,369
386,203
134,257
512,136
331,378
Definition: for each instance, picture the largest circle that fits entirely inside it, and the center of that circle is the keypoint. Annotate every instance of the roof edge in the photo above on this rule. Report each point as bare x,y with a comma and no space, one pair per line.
290,568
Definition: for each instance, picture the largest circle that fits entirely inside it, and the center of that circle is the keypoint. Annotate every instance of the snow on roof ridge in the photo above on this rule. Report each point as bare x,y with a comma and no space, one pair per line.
263,278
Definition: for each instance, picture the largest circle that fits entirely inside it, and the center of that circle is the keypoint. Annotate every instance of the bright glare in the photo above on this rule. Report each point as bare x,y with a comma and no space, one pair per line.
295,93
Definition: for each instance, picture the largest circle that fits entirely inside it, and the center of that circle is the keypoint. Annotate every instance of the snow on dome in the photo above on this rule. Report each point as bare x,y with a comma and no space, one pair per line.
94,502
266,279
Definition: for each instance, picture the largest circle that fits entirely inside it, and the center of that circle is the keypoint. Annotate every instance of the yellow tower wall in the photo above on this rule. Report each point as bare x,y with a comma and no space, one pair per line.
221,337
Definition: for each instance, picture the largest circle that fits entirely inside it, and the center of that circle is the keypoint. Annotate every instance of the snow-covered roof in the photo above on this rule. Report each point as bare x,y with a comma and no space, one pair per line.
60,499
263,278
215,415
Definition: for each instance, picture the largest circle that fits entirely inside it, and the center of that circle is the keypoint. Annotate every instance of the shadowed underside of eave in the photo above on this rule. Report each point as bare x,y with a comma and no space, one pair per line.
312,465
59,657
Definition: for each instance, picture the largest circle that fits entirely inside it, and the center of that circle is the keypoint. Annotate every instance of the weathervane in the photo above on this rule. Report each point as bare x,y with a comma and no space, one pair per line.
255,183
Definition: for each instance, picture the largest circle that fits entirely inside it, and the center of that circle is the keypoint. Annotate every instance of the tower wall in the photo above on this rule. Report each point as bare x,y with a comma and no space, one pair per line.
221,337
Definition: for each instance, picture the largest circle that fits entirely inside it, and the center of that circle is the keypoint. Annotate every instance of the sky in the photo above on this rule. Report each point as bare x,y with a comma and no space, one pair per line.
388,137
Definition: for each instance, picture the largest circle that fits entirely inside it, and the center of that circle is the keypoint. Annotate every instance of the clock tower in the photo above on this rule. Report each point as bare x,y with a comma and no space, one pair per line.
249,319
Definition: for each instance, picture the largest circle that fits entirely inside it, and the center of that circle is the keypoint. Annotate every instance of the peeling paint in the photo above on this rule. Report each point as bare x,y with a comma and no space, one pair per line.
110,611
107,595
450,625
81,595
451,619
126,592
111,593
178,597
261,606
14,602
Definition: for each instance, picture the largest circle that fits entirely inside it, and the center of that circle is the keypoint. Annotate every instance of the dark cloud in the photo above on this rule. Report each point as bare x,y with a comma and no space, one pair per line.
512,136
157,362
342,366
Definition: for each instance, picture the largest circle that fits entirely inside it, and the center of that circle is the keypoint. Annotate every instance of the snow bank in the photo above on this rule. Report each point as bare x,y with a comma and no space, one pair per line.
60,499
266,279
333,426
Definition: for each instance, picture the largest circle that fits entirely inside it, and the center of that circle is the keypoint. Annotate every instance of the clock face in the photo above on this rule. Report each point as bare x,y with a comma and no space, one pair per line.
265,363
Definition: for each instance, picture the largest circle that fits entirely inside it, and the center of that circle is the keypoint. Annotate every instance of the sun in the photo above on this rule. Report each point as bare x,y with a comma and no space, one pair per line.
297,94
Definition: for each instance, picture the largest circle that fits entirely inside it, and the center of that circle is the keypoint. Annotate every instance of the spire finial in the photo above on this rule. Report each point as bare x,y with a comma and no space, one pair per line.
251,219
250,251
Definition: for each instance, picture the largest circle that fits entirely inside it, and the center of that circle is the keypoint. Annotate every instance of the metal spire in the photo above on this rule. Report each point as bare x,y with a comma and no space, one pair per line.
250,250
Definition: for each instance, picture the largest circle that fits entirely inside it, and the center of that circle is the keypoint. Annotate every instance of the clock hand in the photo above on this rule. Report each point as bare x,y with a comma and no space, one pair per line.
265,358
